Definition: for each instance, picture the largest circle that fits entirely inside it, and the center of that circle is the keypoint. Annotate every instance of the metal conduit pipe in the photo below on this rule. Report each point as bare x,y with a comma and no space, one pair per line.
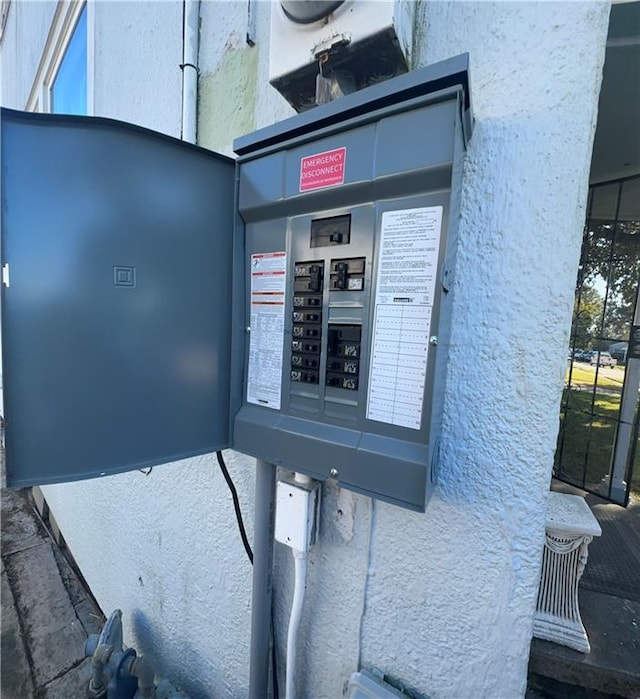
142,669
190,40
297,606
97,686
264,523
299,589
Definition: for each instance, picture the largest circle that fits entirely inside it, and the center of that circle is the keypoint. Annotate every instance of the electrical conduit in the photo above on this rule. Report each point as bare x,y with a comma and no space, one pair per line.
264,519
299,589
190,36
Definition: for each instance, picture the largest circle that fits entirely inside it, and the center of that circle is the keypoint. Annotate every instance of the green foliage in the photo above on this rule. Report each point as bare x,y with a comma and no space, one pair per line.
606,292
610,264
587,314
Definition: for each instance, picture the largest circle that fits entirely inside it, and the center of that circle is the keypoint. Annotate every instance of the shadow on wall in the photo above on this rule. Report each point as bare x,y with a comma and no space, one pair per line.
148,643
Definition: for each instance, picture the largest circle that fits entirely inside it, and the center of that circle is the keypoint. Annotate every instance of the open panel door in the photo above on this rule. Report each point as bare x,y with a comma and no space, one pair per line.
116,313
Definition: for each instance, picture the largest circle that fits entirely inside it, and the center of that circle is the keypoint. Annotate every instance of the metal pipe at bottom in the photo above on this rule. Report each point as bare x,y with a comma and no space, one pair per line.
265,508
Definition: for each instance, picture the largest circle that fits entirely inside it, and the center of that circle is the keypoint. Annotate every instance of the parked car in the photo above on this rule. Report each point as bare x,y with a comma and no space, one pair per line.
619,351
602,359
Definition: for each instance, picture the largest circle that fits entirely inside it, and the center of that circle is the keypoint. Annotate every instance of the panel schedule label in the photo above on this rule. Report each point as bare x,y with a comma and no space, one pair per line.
405,288
266,340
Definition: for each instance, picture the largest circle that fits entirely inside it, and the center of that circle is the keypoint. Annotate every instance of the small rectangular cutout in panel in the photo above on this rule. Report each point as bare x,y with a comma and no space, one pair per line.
124,276
335,230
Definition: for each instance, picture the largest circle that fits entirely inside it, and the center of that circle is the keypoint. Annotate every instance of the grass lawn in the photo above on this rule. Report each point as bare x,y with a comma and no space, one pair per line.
586,436
584,375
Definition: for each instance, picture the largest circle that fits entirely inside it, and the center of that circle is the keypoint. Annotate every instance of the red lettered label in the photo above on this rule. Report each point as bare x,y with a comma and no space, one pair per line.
322,169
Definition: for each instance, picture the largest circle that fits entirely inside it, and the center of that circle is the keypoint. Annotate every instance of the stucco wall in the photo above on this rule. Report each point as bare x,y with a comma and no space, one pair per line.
138,52
463,623
441,601
22,44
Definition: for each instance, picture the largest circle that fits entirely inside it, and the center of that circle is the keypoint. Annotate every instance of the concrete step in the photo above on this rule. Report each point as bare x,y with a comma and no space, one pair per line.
612,669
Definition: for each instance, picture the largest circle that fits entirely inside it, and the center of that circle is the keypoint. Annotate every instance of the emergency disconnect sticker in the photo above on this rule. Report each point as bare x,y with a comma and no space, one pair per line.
322,169
407,269
266,340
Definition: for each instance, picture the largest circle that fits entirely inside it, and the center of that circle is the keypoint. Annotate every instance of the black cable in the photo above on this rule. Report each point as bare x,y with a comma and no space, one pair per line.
236,506
247,548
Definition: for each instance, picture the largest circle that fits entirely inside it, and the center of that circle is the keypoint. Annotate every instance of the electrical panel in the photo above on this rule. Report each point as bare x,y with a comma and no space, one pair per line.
145,318
350,217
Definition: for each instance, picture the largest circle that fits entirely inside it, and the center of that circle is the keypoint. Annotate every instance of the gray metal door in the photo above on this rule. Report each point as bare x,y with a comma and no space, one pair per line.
116,309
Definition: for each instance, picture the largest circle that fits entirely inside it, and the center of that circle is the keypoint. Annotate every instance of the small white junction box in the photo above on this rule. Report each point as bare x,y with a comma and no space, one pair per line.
296,513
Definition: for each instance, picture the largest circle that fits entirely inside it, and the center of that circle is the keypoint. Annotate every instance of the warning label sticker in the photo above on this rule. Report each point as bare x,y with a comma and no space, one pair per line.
322,169
266,341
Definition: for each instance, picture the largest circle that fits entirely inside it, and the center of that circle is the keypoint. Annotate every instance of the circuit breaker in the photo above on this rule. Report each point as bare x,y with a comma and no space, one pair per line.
294,304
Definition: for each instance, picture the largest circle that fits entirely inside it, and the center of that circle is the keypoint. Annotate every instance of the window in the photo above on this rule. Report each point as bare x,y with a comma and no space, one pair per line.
63,82
600,412
69,88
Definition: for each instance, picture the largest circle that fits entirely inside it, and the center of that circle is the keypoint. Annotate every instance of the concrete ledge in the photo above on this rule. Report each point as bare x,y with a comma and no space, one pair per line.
55,530
612,667
40,502
46,610
73,683
50,627
15,680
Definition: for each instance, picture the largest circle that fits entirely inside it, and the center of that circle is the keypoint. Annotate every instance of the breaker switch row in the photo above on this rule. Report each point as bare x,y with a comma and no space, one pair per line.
299,346
304,376
307,362
350,383
307,322
343,353
307,301
346,366
304,331
309,277
347,275
301,317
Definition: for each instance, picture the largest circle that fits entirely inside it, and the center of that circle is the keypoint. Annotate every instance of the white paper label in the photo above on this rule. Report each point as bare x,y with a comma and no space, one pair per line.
266,340
405,286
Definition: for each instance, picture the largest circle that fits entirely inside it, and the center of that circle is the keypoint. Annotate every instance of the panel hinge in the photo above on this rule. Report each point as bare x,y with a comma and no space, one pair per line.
5,275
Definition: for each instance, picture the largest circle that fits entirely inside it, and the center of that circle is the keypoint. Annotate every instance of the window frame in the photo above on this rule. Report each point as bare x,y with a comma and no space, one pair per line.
62,27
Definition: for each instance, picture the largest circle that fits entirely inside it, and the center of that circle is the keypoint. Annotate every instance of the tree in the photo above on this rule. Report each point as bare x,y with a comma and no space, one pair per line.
587,314
613,254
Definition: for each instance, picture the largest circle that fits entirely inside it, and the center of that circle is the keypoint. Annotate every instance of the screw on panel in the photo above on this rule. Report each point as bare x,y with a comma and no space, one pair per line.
433,340
333,473
248,329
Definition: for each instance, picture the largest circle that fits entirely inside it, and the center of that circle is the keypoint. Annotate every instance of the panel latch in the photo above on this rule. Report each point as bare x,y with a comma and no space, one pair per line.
5,275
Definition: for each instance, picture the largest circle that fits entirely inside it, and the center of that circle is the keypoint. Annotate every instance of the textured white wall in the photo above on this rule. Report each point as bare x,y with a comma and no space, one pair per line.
442,601
468,571
138,52
24,37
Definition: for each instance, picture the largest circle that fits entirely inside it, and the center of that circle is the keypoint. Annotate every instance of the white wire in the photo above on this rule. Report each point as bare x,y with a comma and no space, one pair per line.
299,587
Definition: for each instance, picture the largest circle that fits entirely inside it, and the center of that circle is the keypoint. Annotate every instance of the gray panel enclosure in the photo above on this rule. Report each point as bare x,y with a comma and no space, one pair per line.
404,142
116,325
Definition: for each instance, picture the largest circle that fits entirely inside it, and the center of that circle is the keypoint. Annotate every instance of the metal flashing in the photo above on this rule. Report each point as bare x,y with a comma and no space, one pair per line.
429,80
